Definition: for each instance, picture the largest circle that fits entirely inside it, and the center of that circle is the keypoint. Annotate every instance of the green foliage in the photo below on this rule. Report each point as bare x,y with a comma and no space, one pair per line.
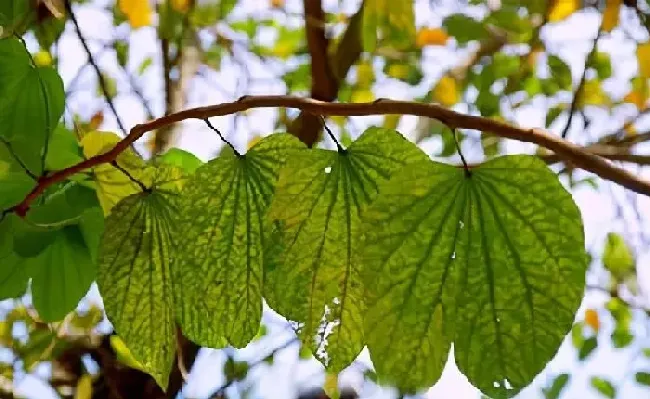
464,28
390,23
557,386
224,235
316,282
432,223
604,387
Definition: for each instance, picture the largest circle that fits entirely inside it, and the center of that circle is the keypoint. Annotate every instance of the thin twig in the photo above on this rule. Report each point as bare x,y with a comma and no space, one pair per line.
581,85
100,77
219,391
207,122
577,155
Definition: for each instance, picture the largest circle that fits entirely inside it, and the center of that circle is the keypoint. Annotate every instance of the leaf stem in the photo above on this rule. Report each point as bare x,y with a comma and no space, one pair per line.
333,137
130,176
207,122
468,173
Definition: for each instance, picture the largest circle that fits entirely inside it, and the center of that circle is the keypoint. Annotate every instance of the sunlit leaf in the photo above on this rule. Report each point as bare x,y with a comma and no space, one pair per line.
319,201
392,21
494,262
135,273
431,37
610,15
224,236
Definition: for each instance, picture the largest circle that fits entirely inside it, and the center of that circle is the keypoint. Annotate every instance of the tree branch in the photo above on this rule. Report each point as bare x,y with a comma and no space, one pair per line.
326,73
93,63
568,151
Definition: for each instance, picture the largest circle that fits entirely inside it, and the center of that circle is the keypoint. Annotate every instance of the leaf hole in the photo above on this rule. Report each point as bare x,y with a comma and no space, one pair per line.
507,384
328,170
453,255
496,384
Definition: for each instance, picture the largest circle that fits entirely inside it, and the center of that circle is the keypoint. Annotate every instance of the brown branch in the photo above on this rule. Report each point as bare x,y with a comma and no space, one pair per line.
573,153
327,72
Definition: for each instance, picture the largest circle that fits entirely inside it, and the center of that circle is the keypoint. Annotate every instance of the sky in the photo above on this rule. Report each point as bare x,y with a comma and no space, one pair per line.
571,40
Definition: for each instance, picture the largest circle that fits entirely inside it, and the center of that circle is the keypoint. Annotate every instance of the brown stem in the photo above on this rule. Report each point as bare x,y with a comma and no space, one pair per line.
573,153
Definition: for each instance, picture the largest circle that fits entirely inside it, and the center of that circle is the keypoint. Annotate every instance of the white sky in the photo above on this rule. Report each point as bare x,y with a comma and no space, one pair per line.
571,40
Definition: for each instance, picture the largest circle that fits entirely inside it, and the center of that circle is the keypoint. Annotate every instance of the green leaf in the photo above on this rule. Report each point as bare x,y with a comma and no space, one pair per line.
15,16
464,28
223,236
390,22
494,261
182,159
621,337
59,240
617,256
319,201
552,115
587,347
604,387
560,72
557,386
31,102
643,378
63,149
135,276
13,275
602,63
14,186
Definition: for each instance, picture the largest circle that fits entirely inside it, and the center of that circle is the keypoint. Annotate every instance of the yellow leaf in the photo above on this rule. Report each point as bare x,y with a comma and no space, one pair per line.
561,9
137,11
592,94
84,387
431,37
277,3
629,129
43,58
610,15
331,386
254,140
180,5
362,96
592,320
398,71
365,74
445,91
643,57
635,98
123,353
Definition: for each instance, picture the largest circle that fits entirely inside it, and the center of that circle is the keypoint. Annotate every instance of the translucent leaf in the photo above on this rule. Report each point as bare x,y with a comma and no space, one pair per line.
223,240
63,149
445,91
494,262
181,159
134,274
319,201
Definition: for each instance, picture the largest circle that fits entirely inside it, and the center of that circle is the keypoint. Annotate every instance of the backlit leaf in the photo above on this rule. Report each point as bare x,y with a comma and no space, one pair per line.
392,21
494,262
319,201
617,256
604,387
445,91
134,272
223,236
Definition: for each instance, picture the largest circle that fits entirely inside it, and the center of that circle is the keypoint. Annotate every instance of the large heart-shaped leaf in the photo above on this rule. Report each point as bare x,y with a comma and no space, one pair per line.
319,200
223,239
135,274
494,262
